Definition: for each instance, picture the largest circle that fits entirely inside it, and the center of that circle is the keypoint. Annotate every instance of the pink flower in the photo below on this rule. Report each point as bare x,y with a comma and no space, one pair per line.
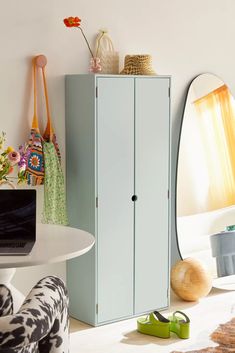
14,157
24,155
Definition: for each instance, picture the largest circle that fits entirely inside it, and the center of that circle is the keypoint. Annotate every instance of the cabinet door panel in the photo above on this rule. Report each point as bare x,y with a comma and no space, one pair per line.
115,175
152,183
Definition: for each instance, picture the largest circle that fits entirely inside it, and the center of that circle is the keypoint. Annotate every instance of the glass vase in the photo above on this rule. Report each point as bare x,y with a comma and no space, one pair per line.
95,66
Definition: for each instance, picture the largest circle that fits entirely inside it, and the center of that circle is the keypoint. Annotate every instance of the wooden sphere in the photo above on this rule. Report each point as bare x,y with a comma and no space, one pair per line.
190,280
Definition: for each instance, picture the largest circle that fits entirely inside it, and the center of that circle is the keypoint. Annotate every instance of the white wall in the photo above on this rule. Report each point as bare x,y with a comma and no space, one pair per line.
185,38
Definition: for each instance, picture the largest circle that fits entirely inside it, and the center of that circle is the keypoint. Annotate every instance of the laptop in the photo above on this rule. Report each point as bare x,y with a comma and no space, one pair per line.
17,221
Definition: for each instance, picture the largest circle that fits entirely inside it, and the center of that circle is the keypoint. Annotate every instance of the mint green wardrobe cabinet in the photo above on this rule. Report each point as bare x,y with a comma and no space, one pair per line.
118,160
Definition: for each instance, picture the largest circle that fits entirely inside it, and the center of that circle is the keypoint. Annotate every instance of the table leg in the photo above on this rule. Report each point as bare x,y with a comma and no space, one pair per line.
6,275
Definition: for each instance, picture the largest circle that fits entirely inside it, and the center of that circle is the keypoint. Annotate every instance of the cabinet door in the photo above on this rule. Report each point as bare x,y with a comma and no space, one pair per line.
115,185
151,188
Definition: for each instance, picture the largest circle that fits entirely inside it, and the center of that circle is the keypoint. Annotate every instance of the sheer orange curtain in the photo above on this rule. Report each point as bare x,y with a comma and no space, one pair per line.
216,113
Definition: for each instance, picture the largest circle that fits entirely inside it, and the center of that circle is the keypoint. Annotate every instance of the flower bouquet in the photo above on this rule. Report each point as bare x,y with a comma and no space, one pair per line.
11,159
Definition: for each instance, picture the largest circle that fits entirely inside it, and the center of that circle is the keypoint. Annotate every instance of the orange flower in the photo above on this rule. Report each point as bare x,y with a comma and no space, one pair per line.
75,22
72,22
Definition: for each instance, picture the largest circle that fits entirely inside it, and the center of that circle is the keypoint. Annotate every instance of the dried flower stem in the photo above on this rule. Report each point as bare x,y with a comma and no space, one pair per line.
86,42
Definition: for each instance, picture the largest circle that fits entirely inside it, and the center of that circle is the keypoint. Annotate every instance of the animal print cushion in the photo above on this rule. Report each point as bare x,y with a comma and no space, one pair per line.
6,301
41,324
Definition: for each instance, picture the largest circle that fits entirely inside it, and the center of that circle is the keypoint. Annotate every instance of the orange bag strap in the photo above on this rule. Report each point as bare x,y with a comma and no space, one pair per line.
35,117
41,62
49,128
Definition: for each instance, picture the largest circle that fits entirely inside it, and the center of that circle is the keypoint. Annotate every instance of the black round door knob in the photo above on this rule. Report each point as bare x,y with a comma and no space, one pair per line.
134,198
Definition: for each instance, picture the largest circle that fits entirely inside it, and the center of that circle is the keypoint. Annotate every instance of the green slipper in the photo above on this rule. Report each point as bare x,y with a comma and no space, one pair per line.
154,324
179,325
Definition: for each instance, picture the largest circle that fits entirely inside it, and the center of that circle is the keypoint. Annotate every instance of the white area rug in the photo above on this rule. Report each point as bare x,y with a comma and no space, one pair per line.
122,337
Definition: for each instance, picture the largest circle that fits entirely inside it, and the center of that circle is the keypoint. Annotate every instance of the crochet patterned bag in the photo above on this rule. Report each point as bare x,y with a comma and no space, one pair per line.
35,164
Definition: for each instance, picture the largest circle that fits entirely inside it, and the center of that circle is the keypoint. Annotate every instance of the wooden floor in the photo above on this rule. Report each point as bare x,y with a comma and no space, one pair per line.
122,337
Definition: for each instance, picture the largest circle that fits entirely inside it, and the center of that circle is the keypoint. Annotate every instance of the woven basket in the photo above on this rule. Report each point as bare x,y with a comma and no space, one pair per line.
109,58
138,65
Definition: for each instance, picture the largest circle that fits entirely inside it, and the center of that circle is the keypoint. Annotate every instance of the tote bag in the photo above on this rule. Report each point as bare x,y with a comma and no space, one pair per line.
35,164
109,58
44,152
54,210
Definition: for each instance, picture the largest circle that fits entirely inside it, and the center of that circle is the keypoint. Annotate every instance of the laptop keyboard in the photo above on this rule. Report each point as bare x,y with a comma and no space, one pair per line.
12,245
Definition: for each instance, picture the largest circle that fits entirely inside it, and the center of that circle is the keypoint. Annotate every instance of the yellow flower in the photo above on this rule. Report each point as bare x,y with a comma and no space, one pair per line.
9,149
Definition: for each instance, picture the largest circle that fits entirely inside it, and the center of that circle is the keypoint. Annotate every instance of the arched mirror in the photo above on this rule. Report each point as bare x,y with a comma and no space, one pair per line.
205,201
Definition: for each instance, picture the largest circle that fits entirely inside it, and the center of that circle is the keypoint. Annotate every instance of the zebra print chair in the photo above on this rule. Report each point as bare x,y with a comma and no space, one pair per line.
41,324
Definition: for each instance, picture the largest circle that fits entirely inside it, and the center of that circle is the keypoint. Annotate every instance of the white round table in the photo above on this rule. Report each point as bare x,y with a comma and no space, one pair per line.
54,243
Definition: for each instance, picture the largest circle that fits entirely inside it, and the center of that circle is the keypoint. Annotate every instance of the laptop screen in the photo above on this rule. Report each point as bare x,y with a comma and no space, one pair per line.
17,215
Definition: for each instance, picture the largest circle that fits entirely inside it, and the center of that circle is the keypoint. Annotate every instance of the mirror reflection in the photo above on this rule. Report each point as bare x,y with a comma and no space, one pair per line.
206,178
